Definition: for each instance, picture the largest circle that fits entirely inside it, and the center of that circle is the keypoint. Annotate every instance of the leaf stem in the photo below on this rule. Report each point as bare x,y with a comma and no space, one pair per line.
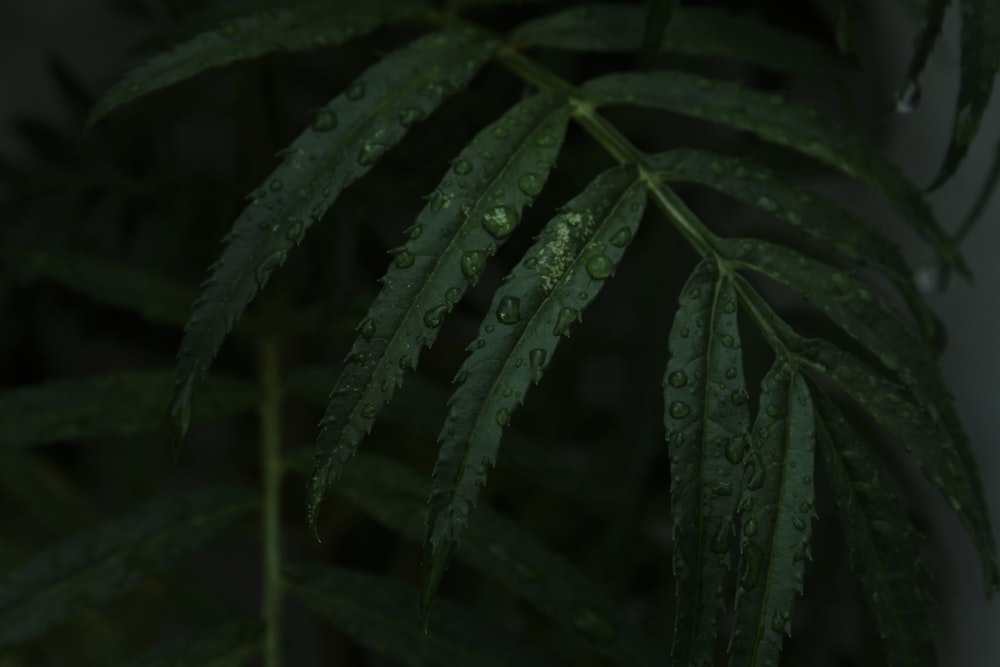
269,415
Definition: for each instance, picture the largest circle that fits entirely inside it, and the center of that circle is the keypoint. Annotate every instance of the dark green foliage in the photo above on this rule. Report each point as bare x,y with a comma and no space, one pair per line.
564,140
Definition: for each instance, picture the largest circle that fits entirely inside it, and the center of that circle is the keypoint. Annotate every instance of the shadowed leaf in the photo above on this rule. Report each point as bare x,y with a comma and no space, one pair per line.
233,644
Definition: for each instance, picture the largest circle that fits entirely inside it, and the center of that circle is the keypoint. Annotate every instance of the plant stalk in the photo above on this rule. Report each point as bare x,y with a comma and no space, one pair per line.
269,414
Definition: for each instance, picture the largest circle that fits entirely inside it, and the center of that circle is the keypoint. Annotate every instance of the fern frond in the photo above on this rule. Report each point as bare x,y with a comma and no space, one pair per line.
980,63
377,612
699,32
347,138
776,517
230,645
304,26
469,217
540,300
102,406
815,216
784,123
924,426
94,567
882,542
707,423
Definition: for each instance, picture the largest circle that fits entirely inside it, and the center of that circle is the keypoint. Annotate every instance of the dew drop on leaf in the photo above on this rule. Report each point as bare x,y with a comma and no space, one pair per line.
536,359
276,185
472,263
371,153
271,262
779,621
593,624
545,141
731,373
720,543
750,528
756,476
356,90
434,316
909,98
530,184
500,221
462,167
564,320
369,411
799,524
367,328
410,116
503,416
509,310
767,204
325,121
734,450
739,397
404,259
229,29
600,267
679,409
621,237
499,132
678,379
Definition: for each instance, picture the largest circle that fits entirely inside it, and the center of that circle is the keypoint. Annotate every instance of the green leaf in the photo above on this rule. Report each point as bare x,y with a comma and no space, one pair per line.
96,566
927,428
882,543
40,493
933,19
775,120
232,644
777,512
538,302
469,216
502,549
845,26
104,406
346,139
658,16
382,614
815,216
153,297
980,64
707,422
698,32
304,26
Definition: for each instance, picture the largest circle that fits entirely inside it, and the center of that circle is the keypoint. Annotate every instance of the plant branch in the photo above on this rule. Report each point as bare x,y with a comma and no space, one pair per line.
269,413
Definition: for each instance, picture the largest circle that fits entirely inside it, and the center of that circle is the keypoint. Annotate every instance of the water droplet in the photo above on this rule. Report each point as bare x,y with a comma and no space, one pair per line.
679,409
756,476
296,230
275,185
371,153
750,528
720,542
500,221
751,573
767,204
723,489
472,263
462,167
367,328
621,237
453,295
773,411
270,263
434,316
545,141
564,320
325,121
593,624
717,168
740,396
678,379
798,523
909,97
729,307
356,90
404,259
509,310
410,116
731,373
841,283
734,450
536,359
727,340
503,416
499,132
779,621
369,411
866,295
600,267
530,184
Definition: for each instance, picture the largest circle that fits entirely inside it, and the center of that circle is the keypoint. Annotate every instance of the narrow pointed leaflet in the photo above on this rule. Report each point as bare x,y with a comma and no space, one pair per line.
773,119
707,422
979,67
777,512
468,218
882,543
537,304
300,27
909,95
346,139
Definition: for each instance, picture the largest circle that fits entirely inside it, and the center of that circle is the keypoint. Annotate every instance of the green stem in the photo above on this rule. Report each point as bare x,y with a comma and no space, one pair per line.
269,414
